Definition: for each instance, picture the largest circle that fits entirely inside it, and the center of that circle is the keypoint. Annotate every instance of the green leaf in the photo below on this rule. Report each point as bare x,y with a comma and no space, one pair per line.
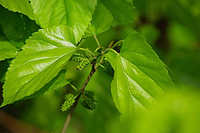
42,57
56,83
16,26
75,13
7,50
21,6
140,77
101,21
122,11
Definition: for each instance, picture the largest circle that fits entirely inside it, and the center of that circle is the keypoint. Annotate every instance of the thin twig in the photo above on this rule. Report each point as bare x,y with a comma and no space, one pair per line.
70,114
88,78
73,86
77,99
87,50
95,37
111,44
117,44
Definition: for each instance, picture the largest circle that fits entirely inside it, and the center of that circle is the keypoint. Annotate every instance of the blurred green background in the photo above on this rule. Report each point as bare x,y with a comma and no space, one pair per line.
172,28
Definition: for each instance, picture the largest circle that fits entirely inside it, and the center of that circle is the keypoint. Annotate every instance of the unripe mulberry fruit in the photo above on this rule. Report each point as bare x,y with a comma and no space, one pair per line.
77,57
89,103
83,64
69,101
108,68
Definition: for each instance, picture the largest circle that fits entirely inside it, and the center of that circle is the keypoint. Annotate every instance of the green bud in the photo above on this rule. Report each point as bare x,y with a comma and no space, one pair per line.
83,60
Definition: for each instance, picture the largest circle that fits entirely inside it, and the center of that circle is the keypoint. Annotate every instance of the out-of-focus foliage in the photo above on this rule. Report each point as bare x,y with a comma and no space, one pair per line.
150,32
177,112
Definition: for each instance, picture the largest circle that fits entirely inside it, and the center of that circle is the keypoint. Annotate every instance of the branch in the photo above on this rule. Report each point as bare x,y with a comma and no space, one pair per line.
95,37
77,99
70,114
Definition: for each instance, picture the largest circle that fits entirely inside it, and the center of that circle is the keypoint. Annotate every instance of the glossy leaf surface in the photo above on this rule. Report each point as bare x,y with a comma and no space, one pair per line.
140,76
56,83
42,57
75,13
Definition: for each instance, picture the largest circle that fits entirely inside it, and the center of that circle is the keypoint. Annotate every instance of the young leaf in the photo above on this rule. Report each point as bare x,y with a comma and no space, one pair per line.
122,11
101,21
7,50
140,77
75,13
21,6
42,57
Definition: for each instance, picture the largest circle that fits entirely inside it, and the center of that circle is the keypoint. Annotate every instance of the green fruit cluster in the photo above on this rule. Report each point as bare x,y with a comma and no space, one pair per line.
107,68
82,60
69,101
83,64
89,102
77,57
